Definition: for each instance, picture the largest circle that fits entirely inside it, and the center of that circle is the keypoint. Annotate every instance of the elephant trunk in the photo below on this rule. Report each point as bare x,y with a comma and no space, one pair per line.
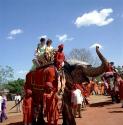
95,71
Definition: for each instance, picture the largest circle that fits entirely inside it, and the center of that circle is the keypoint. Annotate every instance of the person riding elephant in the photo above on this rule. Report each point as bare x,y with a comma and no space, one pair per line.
59,57
48,50
108,74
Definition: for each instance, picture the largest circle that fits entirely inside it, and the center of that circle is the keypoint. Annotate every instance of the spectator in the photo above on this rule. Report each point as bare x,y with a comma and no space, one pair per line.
1,100
17,100
119,80
3,115
76,101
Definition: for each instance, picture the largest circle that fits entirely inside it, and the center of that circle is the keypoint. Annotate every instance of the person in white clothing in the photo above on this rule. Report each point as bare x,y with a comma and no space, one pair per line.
48,50
76,100
39,54
17,99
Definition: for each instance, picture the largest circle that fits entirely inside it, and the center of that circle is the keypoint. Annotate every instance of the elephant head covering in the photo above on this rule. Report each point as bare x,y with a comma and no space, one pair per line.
49,85
28,91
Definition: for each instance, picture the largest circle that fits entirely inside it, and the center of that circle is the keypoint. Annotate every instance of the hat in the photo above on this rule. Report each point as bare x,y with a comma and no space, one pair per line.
61,46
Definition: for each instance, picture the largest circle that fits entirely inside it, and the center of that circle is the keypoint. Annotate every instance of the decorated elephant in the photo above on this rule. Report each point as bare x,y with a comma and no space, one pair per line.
76,73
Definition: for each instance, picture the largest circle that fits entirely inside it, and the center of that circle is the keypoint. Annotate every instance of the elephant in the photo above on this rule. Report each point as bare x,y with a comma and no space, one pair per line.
78,73
75,73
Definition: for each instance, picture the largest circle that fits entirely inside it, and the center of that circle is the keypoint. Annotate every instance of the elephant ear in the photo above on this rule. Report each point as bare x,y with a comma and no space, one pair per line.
78,75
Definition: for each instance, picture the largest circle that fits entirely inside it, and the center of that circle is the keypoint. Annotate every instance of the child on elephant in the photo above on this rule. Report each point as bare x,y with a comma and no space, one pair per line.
40,50
27,108
48,50
39,54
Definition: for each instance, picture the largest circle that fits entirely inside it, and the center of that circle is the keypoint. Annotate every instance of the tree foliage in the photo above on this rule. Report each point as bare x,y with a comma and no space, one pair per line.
83,55
15,86
6,73
120,70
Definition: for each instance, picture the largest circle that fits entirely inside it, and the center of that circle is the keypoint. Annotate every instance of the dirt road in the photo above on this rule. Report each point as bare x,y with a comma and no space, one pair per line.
100,112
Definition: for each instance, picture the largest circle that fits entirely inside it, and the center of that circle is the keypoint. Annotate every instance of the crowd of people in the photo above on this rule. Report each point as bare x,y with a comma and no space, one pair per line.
111,83
43,55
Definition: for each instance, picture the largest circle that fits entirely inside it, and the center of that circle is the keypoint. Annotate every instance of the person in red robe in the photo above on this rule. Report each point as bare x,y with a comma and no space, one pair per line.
27,108
51,104
120,85
108,74
59,57
121,91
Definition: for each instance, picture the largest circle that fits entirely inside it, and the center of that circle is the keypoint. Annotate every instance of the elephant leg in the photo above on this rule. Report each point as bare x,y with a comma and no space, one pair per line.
40,119
68,117
34,122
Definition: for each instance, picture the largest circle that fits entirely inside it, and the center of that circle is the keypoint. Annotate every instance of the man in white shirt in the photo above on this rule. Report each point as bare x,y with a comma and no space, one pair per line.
76,101
17,99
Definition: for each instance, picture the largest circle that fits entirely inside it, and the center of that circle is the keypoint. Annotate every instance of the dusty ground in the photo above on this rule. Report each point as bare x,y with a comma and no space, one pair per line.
100,112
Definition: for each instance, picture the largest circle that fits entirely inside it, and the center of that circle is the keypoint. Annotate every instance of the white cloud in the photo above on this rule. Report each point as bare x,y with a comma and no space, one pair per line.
10,37
13,33
64,38
16,31
96,44
99,18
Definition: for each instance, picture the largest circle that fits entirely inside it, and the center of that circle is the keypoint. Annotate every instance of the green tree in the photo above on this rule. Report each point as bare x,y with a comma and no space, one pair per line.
6,73
15,86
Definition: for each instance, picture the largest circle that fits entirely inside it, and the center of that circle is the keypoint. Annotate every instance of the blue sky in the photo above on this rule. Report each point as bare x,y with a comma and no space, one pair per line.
75,23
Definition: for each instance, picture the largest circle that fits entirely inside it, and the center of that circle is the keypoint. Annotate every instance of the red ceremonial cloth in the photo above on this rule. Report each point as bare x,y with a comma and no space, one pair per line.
36,80
109,68
27,110
121,89
59,59
51,107
28,81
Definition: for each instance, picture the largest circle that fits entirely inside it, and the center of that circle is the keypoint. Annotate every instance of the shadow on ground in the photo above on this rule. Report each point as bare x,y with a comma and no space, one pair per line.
116,112
100,104
114,108
21,123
